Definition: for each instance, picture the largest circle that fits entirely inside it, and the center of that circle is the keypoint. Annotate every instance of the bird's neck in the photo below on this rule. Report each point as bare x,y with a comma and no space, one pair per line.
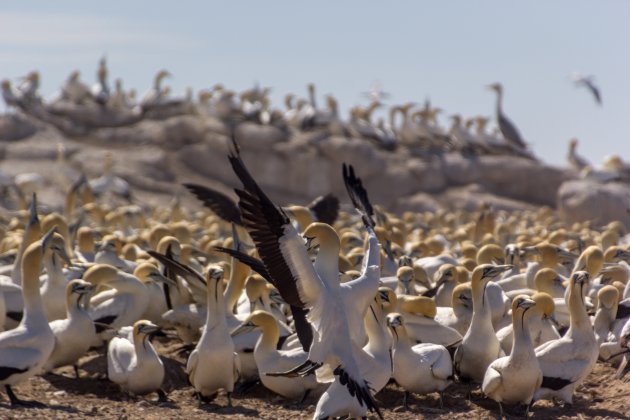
578,316
499,102
143,346
52,264
378,338
327,262
521,341
269,338
31,234
73,307
401,340
33,306
603,320
215,302
481,309
238,276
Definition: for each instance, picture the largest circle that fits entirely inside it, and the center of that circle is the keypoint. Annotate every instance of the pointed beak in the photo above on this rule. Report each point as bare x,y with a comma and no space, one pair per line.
309,243
526,304
64,256
384,296
160,278
622,254
563,253
242,329
499,269
149,329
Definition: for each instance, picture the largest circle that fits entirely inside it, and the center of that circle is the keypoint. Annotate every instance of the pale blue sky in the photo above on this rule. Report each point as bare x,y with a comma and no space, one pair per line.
445,50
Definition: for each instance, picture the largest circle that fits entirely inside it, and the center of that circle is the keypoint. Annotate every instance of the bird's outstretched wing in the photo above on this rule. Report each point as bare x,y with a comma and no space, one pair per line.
222,205
358,194
180,269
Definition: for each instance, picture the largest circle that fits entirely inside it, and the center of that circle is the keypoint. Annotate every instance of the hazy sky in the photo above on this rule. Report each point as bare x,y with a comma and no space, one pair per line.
443,50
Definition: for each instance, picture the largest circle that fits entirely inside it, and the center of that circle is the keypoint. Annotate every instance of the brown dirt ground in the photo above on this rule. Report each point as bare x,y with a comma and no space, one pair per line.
600,397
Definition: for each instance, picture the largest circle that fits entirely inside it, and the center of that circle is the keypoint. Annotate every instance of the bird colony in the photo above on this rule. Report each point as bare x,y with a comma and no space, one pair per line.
328,302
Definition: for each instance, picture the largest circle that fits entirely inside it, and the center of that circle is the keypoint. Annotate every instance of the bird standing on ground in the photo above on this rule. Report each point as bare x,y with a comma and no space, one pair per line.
25,349
508,129
567,361
514,378
135,365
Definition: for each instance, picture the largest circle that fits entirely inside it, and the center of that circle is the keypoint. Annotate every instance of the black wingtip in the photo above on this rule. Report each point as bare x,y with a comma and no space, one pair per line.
235,149
361,393
358,194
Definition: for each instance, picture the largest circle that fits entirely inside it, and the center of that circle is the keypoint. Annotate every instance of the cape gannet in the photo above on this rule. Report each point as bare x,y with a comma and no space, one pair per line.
74,334
459,314
53,290
270,359
446,278
419,313
480,345
508,129
135,365
542,324
514,378
25,349
288,263
565,362
213,364
420,368
125,302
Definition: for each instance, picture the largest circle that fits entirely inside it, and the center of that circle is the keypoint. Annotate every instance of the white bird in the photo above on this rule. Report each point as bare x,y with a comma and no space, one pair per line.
270,359
459,314
74,334
125,302
420,368
541,324
607,305
213,364
419,313
513,379
53,289
135,365
567,361
107,254
25,349
318,290
480,345
108,182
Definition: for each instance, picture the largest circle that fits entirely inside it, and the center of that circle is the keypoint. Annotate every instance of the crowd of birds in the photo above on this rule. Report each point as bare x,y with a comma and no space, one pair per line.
78,107
311,300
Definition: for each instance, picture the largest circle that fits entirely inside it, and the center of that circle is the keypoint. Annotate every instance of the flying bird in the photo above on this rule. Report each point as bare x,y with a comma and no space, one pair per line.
589,83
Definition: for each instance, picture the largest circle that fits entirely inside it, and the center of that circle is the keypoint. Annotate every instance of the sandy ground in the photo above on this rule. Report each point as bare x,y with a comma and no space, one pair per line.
600,397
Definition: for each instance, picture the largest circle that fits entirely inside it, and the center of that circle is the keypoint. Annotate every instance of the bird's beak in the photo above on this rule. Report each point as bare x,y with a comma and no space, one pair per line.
64,256
158,277
149,329
394,322
527,303
498,269
622,254
566,254
243,328
309,243
529,251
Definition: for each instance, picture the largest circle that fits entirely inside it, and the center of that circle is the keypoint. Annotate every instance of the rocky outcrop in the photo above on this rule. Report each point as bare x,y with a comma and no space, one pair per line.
583,200
157,156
